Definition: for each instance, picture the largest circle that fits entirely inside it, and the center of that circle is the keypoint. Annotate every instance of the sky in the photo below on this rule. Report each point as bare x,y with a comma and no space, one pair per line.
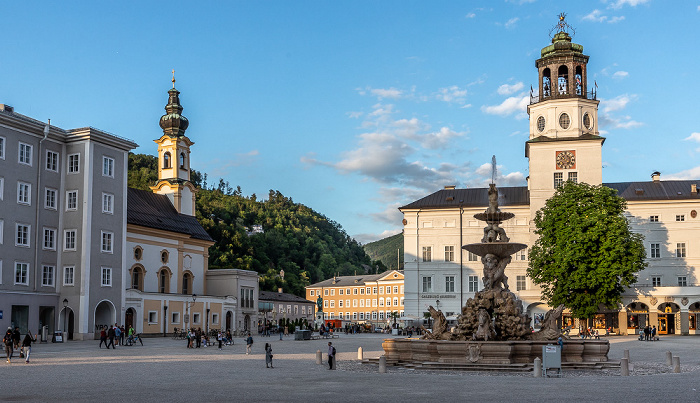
355,108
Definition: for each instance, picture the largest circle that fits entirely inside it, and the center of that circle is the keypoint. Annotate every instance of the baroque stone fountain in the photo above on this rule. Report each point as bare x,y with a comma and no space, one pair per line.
492,328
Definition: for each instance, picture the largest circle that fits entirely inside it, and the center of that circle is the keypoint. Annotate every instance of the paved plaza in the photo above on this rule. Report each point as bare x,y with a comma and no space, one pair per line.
164,370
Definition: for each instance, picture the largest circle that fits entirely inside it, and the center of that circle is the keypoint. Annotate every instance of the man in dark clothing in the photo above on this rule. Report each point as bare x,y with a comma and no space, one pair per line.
111,333
16,337
331,355
198,337
103,337
7,340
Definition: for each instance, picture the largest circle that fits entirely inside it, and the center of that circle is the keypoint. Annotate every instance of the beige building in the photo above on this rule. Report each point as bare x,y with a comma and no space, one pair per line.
564,145
369,298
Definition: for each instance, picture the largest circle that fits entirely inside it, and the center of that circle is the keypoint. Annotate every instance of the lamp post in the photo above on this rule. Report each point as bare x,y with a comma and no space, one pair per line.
165,320
65,317
189,310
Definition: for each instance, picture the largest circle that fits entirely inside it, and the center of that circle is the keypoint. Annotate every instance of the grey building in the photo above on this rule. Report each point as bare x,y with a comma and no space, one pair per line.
274,306
62,225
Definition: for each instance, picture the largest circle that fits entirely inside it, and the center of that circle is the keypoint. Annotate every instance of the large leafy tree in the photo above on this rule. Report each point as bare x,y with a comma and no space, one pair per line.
586,253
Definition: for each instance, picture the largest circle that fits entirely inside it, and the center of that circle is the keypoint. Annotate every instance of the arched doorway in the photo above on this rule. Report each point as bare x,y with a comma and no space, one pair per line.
229,320
104,316
129,319
669,312
637,316
66,322
246,323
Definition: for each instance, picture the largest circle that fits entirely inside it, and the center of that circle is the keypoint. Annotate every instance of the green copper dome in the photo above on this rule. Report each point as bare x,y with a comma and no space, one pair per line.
173,122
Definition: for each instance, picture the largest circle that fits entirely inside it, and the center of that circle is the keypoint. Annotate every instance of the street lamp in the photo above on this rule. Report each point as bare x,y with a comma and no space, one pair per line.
65,316
165,319
189,310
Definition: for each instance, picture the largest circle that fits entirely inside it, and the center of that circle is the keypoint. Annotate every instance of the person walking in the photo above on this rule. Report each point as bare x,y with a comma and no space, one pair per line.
220,338
331,355
117,333
248,344
103,337
27,345
7,340
198,337
110,334
268,356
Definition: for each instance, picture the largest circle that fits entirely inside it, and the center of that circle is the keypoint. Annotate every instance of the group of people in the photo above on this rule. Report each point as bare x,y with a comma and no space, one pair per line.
11,340
116,335
197,338
648,333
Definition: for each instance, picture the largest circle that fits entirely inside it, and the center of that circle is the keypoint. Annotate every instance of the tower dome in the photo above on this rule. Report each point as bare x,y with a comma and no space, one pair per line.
173,122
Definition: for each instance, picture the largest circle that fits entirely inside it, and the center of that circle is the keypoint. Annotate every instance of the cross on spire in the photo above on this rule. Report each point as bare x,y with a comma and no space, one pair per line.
173,80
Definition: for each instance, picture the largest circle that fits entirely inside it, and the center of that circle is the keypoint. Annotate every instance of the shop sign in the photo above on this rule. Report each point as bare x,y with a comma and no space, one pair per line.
436,296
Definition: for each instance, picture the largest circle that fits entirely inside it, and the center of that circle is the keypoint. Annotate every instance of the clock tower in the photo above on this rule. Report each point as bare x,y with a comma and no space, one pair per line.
564,140
174,157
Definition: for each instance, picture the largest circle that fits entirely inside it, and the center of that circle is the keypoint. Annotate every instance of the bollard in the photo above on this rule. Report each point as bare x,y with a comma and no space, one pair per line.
333,363
624,367
382,364
359,354
538,367
677,365
627,355
669,358
319,357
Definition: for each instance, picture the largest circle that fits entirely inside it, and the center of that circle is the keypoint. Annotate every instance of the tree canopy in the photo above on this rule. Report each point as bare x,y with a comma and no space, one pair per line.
586,253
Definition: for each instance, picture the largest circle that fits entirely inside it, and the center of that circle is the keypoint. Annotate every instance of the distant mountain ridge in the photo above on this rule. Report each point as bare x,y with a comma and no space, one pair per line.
388,250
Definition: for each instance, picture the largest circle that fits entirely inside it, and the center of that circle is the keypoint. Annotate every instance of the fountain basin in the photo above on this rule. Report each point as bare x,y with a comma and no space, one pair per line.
494,217
500,249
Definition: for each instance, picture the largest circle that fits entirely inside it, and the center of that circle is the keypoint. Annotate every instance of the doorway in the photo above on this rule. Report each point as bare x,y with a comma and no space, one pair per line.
229,319
129,319
667,324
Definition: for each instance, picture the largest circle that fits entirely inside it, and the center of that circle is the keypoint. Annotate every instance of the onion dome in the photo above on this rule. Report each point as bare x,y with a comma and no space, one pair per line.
173,122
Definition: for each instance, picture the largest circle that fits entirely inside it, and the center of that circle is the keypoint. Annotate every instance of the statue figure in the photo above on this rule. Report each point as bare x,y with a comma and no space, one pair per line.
494,271
549,329
319,304
486,330
493,199
440,331
493,233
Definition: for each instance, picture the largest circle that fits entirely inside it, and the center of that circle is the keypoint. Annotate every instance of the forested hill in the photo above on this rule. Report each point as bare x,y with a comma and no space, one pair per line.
308,246
388,250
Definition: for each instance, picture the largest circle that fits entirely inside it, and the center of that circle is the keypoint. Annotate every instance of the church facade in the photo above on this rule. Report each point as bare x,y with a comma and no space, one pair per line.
564,145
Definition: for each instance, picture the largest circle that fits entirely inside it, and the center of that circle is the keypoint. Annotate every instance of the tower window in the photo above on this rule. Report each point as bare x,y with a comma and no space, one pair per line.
564,121
579,81
587,121
166,160
540,123
563,80
546,83
182,160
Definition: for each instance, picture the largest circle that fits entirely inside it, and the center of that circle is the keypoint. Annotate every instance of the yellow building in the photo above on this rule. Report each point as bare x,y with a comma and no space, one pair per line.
369,298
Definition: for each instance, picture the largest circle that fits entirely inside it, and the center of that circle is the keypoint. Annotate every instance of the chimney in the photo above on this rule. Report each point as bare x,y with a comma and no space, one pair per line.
6,108
694,188
279,290
656,176
450,187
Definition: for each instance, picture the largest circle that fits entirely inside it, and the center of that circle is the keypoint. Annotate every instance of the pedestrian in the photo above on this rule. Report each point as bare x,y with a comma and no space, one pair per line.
7,340
110,334
560,341
220,338
122,334
248,344
198,337
103,337
653,333
16,337
117,333
268,356
27,345
279,330
331,355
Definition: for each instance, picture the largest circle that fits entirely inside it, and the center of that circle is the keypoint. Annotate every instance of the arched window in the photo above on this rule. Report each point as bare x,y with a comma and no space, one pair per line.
164,256
137,278
186,283
563,80
546,83
167,160
579,80
182,160
163,283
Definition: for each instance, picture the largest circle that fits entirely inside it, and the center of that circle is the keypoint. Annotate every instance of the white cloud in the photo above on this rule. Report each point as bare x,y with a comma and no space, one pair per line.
692,173
509,106
620,74
511,22
391,93
693,137
470,15
615,19
598,16
440,139
617,103
367,238
507,89
620,3
452,94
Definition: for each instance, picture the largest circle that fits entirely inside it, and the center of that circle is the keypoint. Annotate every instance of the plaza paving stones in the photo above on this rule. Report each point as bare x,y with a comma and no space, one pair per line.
163,370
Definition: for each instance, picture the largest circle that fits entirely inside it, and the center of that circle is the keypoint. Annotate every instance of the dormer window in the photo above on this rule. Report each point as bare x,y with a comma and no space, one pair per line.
167,161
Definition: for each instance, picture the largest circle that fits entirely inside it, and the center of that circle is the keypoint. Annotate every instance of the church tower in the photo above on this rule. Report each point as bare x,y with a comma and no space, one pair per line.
174,157
564,140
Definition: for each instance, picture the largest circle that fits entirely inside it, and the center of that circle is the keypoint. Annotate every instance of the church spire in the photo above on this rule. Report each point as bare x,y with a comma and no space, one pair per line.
173,122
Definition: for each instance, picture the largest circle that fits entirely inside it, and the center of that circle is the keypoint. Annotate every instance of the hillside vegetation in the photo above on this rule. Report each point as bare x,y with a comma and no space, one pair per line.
308,246
385,250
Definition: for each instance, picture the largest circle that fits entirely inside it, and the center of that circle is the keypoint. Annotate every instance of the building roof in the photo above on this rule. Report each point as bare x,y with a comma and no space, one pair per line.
514,196
151,210
282,297
347,281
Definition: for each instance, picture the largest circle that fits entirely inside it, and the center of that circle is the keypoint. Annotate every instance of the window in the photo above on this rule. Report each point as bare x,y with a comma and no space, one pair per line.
450,284
680,217
374,290
656,281
2,148
381,290
69,236
164,256
107,203
2,188
449,253
74,163
340,315
388,289
367,289
381,301
311,293
354,316
680,249
2,231
50,199
106,277
332,304
402,303
47,273
340,291
340,303
654,250
347,303
396,302
473,257
333,292
182,160
396,289
573,177
325,292
186,278
152,317
24,193
520,255
137,278
51,161
381,315
654,218
72,200
325,304
558,179
362,291
25,154
354,303
427,285
354,291
473,282
347,291
108,167
23,232
138,252
215,318
427,253
167,161
682,281
49,238
107,241
21,273
68,275
520,283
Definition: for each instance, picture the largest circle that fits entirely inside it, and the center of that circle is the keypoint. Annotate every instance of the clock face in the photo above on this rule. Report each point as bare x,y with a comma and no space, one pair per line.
566,159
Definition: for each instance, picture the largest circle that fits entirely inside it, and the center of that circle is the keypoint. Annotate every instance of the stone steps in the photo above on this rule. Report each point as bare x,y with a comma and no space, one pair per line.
593,366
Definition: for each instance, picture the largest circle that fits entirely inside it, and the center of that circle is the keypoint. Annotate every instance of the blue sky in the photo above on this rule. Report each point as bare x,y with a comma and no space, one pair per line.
356,107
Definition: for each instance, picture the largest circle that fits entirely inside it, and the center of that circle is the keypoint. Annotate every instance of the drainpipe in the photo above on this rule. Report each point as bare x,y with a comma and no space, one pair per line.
461,265
36,214
420,281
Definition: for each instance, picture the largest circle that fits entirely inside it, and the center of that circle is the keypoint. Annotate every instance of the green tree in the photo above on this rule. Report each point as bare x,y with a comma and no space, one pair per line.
586,253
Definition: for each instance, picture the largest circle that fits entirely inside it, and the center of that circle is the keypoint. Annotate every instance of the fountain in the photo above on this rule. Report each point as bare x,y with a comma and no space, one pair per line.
492,328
